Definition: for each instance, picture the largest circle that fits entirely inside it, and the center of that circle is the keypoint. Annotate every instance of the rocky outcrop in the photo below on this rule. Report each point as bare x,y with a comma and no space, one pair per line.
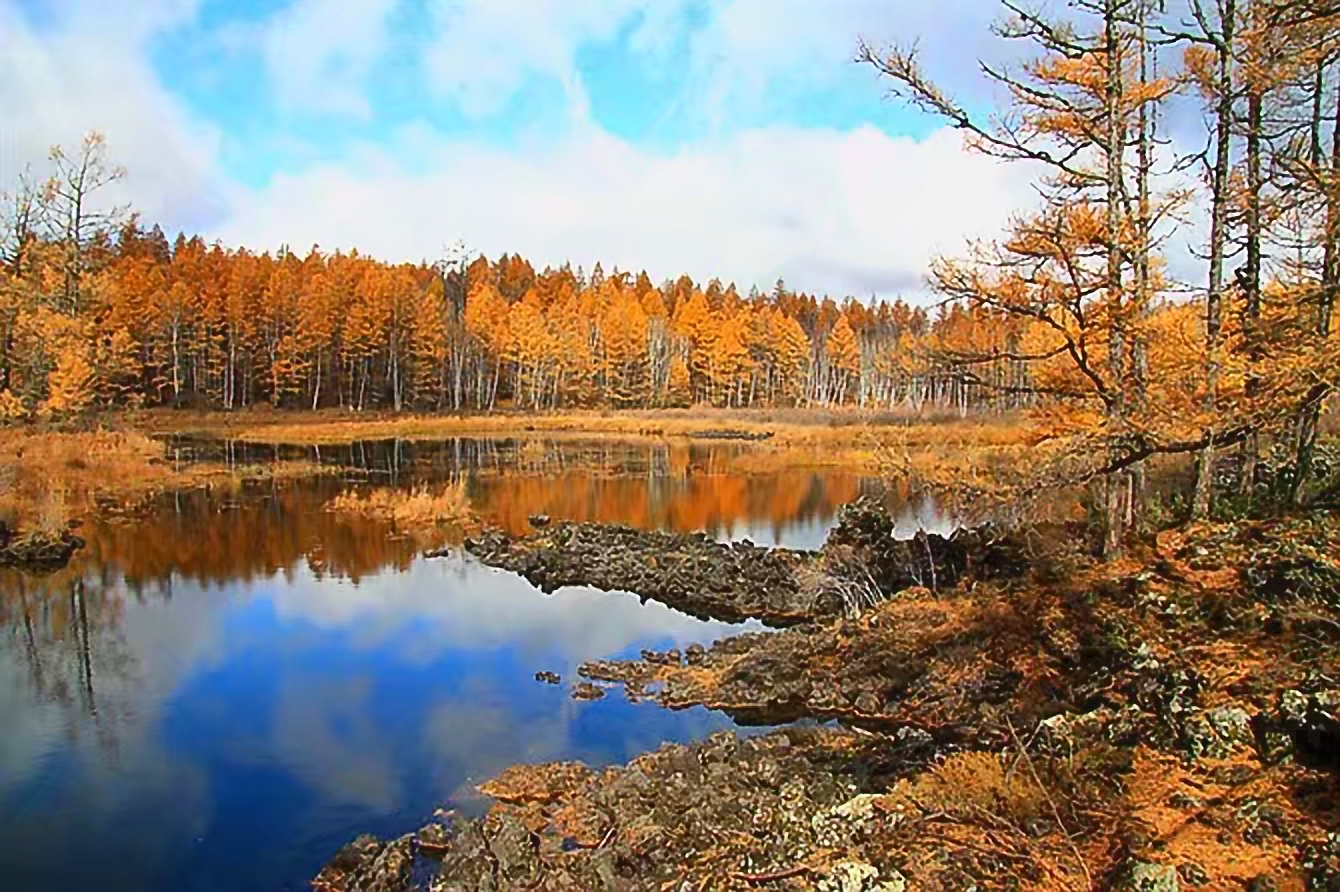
917,662
861,564
668,816
690,572
1144,727
368,865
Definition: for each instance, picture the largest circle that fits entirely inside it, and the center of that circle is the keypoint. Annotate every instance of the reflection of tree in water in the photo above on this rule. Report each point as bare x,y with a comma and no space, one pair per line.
68,624
74,652
272,527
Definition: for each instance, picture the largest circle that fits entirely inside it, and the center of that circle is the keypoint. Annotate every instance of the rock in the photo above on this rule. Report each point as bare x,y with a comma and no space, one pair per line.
587,691
513,848
367,865
836,827
895,882
548,677
1313,724
1215,733
858,876
1231,724
433,838
1145,877
849,876
666,658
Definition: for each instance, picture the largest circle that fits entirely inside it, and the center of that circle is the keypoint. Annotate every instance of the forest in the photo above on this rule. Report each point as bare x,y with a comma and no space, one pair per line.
118,315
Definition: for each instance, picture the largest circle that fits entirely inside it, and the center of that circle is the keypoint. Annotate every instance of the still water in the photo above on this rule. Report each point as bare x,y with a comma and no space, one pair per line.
221,692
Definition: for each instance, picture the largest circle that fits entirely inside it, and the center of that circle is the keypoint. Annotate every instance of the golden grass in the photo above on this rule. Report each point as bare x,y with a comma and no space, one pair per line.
418,507
48,476
848,438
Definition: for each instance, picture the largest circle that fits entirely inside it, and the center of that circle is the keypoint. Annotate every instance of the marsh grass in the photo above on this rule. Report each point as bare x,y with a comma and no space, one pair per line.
845,427
49,476
421,506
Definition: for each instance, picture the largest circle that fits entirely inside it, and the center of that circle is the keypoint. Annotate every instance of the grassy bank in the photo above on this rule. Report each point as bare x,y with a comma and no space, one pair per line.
867,442
48,475
791,426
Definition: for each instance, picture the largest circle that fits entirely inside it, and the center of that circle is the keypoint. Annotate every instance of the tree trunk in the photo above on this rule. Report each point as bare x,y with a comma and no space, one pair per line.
1114,527
1137,508
1251,286
1200,503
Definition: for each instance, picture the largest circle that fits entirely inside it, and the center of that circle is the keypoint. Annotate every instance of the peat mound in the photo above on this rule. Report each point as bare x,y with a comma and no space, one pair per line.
40,551
690,572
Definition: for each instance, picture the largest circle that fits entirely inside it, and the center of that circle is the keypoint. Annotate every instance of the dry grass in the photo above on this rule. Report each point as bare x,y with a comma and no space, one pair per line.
975,787
49,476
814,438
422,506
333,426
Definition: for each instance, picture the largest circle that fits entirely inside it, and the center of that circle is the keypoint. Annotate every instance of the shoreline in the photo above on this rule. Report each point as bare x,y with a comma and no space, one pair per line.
1163,720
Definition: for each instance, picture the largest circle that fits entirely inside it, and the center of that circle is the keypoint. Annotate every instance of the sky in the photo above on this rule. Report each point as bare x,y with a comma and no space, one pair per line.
734,139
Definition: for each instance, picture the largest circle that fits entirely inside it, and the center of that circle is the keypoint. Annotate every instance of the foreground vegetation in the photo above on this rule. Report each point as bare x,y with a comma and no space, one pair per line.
1049,721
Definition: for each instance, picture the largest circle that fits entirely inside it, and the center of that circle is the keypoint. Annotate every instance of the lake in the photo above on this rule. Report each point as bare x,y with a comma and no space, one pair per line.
221,691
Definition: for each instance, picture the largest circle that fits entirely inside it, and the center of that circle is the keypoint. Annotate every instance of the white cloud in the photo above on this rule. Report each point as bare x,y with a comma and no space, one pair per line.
486,49
452,603
87,70
319,52
829,211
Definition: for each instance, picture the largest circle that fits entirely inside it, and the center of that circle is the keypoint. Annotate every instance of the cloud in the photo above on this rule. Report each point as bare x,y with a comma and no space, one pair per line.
318,53
485,51
86,69
455,603
829,211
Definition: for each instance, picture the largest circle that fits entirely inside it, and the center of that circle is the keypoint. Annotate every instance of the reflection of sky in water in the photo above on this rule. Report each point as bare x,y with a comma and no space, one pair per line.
242,735
235,735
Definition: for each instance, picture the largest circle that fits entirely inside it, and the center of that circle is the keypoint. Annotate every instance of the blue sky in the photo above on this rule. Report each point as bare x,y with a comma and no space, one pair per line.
731,138
655,96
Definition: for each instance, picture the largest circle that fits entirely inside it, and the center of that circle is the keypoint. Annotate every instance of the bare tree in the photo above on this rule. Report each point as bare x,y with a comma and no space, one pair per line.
74,218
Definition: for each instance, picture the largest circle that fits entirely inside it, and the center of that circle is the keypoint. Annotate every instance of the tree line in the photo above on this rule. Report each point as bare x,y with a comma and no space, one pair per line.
98,311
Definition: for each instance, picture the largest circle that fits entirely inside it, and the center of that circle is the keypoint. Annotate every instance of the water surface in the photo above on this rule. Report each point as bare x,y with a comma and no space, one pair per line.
219,694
